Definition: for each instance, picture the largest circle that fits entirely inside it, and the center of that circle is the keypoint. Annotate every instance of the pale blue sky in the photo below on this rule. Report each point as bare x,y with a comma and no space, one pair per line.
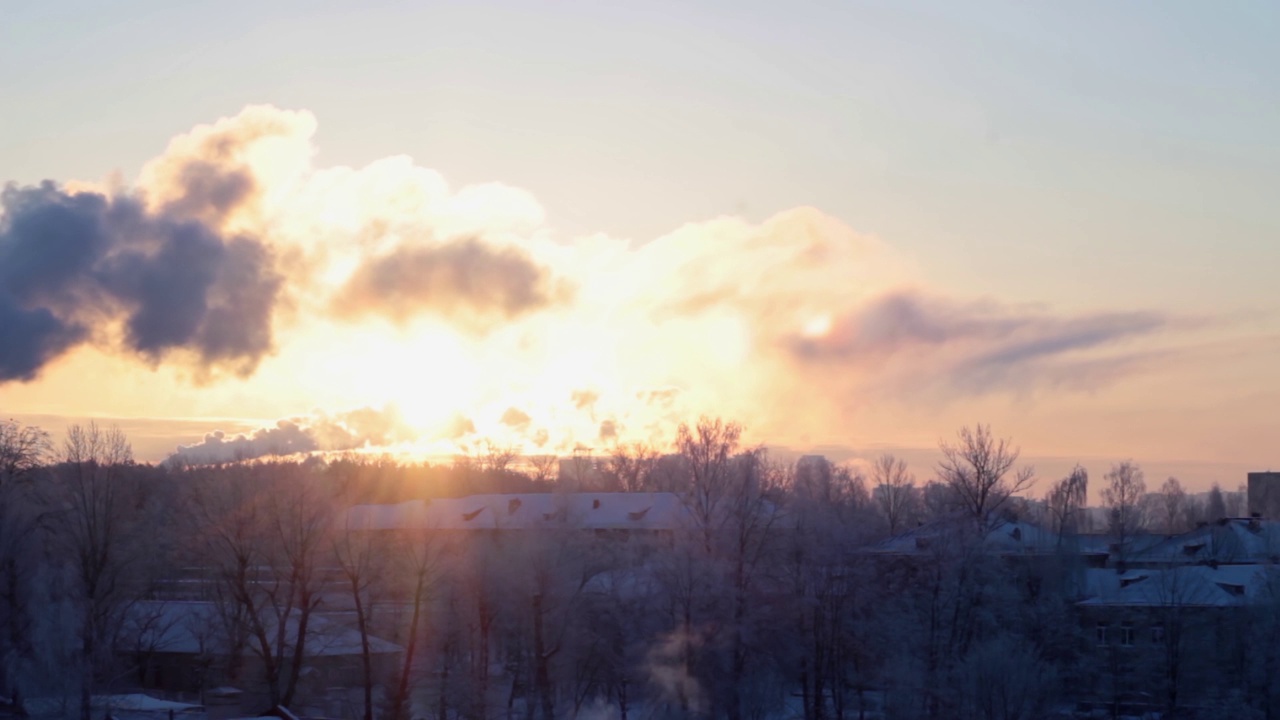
1124,147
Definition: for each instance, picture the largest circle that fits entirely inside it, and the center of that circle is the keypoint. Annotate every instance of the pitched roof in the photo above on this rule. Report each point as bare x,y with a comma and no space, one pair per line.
1003,537
196,627
528,511
1186,586
1232,540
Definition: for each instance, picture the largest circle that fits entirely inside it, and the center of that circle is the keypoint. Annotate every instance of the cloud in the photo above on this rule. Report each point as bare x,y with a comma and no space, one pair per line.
516,419
460,427
318,432
82,267
977,347
584,399
236,252
466,281
220,173
608,430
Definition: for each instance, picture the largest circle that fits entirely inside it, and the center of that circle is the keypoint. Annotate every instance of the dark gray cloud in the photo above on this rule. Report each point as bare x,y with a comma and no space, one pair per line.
29,338
74,266
365,427
467,282
210,190
981,347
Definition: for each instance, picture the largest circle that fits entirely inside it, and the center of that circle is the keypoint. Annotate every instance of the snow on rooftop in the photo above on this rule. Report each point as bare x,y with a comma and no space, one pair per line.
1232,540
1186,586
528,511
195,627
1004,537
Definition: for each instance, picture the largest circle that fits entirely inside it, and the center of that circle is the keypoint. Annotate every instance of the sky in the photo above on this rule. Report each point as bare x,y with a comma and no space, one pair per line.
853,227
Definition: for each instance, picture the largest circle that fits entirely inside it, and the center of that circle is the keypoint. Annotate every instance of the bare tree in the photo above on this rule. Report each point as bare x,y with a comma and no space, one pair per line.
977,469
1172,506
1124,499
362,567
263,530
1238,502
895,490
545,468
631,465
1066,502
23,449
497,458
708,448
91,510
417,561
1215,506
302,517
231,520
749,524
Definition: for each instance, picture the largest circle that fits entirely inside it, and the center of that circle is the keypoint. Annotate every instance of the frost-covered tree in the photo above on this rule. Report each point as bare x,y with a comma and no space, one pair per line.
894,489
1124,498
979,470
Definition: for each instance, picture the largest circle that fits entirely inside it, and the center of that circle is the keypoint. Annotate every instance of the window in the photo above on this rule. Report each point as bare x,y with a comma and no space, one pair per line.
1126,634
1102,634
1157,634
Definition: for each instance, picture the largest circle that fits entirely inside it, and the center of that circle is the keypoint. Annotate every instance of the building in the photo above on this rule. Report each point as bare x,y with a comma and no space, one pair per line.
195,646
1264,494
1175,637
615,512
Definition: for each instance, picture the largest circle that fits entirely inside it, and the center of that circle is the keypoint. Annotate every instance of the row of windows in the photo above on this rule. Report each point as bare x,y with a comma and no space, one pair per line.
1125,634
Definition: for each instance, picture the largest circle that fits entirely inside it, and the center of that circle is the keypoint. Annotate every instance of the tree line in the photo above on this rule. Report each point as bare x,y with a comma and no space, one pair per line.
765,605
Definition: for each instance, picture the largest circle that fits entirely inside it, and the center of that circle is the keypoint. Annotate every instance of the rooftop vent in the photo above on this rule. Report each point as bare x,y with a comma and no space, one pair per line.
595,504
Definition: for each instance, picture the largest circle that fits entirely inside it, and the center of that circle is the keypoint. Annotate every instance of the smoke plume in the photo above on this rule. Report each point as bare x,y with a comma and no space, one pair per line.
365,427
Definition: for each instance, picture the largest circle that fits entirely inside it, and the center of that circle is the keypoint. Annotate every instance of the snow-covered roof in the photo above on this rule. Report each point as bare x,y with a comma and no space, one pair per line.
528,511
131,706
195,627
1233,540
1003,537
1186,586
140,702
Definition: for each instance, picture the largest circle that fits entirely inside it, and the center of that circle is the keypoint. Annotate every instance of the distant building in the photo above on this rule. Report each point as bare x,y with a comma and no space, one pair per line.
1264,494
656,511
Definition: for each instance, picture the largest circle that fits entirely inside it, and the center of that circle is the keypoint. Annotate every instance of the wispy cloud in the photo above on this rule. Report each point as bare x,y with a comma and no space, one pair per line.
980,347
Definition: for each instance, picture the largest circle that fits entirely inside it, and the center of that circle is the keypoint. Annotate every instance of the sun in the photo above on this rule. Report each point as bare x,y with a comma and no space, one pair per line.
817,326
425,372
